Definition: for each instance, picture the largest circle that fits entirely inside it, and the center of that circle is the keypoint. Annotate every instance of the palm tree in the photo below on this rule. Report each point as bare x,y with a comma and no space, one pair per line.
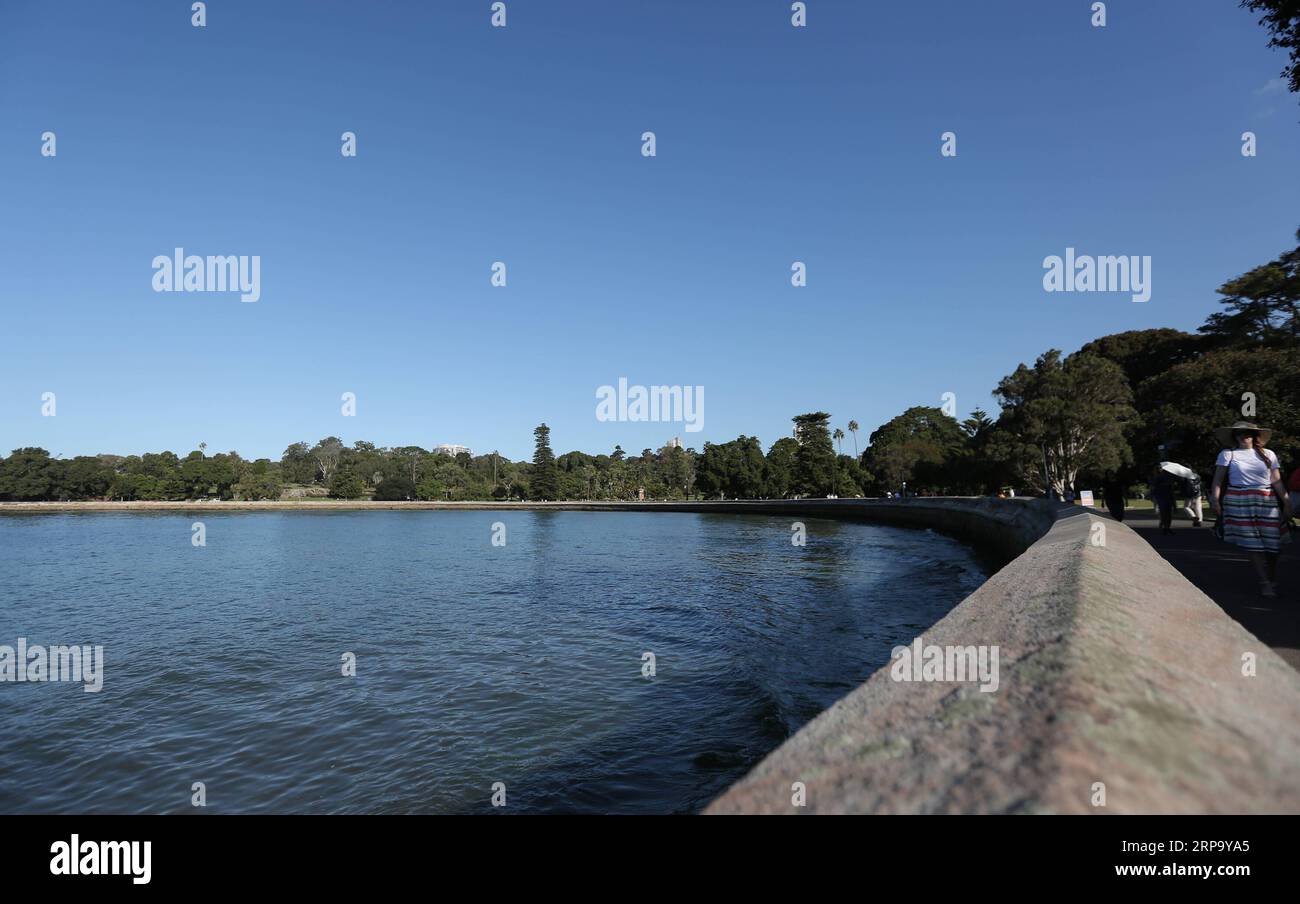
853,428
838,436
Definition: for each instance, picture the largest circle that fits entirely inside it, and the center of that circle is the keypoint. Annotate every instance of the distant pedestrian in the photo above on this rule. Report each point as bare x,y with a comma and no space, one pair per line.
1249,500
1189,482
1112,493
1162,494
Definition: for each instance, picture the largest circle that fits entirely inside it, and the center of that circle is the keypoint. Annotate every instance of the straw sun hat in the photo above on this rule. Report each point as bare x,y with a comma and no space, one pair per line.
1224,434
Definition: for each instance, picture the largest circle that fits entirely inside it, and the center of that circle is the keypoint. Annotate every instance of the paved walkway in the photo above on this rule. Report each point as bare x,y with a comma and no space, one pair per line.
1224,573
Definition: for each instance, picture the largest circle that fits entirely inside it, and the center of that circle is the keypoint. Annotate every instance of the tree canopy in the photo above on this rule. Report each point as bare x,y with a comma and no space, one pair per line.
1064,416
1282,19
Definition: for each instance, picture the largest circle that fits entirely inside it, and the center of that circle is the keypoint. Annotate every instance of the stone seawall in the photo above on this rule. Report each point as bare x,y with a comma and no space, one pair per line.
1114,671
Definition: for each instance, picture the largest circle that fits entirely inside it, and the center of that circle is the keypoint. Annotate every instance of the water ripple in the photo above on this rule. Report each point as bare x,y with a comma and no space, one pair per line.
475,664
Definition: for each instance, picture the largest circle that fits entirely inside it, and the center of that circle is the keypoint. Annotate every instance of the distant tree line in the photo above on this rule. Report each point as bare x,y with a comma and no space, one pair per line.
330,468
1109,411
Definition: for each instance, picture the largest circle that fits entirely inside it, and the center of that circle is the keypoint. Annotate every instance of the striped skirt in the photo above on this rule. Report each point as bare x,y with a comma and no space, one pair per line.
1251,519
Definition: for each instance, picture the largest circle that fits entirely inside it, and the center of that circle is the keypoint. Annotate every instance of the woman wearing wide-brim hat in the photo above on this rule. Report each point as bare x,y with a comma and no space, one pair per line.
1251,504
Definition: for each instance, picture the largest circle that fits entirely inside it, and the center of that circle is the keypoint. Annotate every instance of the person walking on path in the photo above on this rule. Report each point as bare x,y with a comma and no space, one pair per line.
1249,501
1190,484
1162,494
1112,491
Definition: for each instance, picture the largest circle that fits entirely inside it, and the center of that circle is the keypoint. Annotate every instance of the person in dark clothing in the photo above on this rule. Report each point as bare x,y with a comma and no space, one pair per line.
1188,483
1163,485
1112,493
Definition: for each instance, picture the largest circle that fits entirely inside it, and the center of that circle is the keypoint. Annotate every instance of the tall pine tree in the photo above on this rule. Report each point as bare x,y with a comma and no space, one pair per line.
814,461
545,482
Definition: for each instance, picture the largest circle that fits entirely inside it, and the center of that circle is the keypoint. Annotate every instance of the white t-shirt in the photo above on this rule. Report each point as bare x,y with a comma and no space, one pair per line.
1245,468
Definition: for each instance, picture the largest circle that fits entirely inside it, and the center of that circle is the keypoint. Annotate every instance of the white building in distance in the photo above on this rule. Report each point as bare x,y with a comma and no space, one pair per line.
451,449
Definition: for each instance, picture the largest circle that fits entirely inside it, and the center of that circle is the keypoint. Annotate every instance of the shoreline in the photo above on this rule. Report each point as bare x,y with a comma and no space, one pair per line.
779,506
292,505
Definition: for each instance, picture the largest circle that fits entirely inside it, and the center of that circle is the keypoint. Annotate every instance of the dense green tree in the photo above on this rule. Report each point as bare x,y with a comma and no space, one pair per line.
28,475
297,464
713,473
164,477
395,487
87,477
736,470
410,460
367,461
1262,306
1184,406
849,477
780,468
977,426
920,447
327,454
544,480
344,484
978,471
1143,354
129,487
255,486
814,462
430,489
676,470
1061,417
202,477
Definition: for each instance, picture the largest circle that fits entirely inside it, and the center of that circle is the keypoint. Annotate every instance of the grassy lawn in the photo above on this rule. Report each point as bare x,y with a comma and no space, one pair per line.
1148,505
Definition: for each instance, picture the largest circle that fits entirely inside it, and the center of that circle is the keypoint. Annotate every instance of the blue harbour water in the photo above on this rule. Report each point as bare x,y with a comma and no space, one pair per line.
476,664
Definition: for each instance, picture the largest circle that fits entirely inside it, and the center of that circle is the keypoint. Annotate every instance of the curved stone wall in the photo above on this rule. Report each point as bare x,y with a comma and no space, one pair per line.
1116,676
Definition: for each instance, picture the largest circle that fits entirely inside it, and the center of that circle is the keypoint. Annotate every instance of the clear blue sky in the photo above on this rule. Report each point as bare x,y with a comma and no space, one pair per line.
522,144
